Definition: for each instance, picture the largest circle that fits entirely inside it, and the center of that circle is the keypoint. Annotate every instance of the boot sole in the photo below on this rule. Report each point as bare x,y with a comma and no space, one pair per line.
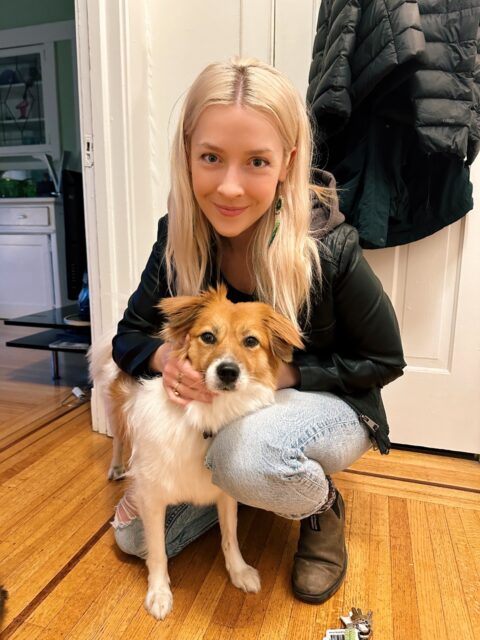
325,595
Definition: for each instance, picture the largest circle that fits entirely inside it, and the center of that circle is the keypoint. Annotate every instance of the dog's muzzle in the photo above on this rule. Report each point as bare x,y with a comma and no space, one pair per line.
228,374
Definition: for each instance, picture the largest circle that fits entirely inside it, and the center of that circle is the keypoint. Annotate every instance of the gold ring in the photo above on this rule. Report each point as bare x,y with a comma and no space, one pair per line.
179,377
175,390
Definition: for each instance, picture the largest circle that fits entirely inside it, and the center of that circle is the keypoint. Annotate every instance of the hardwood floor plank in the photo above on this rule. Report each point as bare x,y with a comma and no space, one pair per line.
425,570
467,568
410,465
379,576
35,511
54,551
409,491
36,420
205,604
25,454
82,586
248,620
36,430
356,586
455,610
279,606
405,614
102,611
471,526
26,632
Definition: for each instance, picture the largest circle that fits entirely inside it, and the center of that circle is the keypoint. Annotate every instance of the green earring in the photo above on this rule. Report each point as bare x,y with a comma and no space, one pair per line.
278,209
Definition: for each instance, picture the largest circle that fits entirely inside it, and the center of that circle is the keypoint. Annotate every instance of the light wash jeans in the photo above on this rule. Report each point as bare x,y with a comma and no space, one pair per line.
276,459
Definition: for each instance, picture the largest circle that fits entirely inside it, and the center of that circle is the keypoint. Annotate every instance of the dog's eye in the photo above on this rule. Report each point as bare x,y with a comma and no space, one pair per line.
250,341
208,338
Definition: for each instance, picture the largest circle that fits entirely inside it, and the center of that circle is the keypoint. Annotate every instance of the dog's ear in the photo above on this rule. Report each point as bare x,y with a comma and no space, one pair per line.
284,336
180,313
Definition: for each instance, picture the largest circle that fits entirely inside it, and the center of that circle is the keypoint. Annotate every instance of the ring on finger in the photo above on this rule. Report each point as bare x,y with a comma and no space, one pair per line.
175,390
179,377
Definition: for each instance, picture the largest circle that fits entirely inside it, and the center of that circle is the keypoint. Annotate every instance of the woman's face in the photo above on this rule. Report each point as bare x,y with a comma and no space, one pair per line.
237,160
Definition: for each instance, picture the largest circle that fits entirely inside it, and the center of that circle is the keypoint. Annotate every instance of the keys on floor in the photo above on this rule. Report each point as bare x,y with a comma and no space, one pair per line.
361,622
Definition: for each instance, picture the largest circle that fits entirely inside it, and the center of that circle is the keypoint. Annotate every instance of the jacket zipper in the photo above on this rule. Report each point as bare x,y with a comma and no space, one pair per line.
376,435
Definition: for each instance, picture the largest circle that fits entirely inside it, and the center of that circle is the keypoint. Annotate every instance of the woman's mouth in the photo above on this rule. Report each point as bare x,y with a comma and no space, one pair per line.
230,211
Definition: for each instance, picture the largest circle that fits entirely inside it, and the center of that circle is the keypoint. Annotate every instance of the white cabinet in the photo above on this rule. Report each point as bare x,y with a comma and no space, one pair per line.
32,256
28,101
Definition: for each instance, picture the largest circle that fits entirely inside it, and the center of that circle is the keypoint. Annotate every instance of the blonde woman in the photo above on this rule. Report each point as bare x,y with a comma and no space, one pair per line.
242,211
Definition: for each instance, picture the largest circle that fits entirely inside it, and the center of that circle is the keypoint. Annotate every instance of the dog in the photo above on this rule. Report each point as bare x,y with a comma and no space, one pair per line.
238,348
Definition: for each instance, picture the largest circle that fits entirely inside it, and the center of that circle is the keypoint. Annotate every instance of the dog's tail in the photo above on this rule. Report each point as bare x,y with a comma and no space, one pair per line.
105,375
101,367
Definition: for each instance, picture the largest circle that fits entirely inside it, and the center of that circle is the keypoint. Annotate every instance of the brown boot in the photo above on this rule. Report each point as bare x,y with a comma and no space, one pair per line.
320,563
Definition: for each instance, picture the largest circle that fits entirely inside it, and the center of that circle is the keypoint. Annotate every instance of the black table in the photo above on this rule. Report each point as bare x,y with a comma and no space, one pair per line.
60,336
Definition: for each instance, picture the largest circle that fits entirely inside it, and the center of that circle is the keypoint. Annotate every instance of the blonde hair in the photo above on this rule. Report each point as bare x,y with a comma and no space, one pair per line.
284,271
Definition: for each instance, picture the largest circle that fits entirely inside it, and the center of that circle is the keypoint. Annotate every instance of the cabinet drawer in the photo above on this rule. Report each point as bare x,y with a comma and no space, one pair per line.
24,216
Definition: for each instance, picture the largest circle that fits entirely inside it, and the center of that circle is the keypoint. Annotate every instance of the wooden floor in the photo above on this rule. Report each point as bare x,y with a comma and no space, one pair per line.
413,535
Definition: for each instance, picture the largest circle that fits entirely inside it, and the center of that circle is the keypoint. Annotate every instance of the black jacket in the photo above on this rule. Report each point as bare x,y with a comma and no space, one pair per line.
352,340
394,90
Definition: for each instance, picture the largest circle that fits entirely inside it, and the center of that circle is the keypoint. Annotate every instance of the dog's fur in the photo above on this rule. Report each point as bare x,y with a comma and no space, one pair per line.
238,348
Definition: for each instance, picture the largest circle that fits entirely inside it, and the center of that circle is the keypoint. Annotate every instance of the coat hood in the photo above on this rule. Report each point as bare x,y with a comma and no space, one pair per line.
326,216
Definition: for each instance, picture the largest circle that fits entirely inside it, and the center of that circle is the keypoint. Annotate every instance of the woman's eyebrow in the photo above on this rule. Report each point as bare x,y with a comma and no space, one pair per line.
252,152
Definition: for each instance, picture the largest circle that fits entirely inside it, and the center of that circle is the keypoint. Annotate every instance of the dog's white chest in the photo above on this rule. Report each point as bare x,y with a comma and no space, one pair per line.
168,445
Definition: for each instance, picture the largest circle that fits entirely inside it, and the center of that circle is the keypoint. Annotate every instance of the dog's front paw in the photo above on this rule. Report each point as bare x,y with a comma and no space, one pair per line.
247,579
116,472
159,603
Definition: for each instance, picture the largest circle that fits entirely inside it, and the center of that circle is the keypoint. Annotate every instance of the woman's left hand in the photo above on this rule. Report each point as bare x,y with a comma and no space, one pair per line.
288,375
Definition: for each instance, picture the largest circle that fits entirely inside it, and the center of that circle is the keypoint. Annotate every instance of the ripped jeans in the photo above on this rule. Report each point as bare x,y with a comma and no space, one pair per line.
276,459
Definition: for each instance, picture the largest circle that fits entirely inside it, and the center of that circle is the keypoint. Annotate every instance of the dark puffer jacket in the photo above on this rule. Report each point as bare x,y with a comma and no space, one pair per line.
357,45
395,98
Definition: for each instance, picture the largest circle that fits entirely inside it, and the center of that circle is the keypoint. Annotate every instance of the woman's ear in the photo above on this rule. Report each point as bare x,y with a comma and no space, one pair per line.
287,164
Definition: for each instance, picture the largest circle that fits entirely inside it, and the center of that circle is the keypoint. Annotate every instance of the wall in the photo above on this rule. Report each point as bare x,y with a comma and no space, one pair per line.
25,13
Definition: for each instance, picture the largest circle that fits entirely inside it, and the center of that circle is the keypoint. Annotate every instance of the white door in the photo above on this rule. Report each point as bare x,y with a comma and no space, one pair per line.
435,287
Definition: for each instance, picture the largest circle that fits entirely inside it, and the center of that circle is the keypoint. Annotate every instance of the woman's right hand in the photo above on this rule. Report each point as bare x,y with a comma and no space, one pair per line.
181,381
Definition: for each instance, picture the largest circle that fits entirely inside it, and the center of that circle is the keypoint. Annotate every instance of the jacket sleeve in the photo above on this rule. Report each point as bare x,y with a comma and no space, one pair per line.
474,137
369,350
136,339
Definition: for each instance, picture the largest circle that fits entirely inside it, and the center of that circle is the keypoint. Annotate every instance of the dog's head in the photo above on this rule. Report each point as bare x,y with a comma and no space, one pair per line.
231,344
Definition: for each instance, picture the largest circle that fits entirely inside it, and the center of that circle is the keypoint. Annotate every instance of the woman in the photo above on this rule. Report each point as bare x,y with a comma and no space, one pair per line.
242,210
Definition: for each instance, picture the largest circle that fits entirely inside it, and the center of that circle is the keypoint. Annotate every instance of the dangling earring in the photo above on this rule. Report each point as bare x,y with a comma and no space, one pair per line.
278,210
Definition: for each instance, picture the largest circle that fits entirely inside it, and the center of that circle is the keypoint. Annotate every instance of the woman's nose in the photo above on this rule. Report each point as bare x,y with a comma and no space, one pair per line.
231,184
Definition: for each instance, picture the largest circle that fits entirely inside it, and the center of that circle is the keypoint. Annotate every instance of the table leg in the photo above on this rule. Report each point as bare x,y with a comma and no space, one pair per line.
55,373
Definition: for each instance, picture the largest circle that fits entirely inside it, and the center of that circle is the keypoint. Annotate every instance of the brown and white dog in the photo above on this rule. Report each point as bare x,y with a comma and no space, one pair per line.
238,348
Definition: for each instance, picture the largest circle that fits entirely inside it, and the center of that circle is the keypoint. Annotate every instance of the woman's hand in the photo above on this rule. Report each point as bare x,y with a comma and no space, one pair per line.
288,376
182,383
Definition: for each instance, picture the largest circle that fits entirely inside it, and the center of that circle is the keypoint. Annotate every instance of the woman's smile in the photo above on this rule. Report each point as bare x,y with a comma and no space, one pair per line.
230,211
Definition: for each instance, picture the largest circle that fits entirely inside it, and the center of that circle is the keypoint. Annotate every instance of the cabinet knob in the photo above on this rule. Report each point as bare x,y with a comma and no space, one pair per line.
22,216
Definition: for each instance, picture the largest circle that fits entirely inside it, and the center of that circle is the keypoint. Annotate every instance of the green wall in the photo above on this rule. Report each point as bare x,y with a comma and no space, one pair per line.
25,13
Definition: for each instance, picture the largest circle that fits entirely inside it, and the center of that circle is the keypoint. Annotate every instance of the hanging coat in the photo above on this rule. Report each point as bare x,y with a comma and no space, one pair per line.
394,94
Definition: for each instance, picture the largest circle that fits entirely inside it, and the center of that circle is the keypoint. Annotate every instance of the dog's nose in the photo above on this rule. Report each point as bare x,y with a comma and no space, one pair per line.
228,372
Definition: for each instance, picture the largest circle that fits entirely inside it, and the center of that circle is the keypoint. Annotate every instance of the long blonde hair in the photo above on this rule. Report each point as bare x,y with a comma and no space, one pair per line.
284,271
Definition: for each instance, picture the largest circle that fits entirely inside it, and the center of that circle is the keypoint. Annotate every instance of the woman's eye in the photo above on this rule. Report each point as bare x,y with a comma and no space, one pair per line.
250,342
259,163
208,338
210,158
